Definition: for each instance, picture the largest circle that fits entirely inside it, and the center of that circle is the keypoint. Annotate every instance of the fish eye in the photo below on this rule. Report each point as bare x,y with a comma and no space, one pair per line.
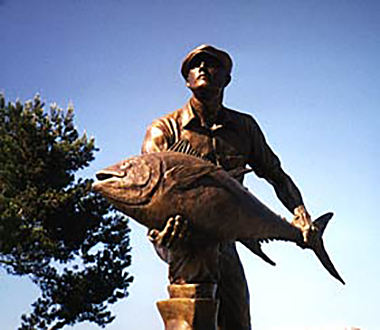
126,166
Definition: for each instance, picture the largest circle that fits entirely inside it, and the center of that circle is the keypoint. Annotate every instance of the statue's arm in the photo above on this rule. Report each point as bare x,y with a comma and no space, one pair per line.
290,196
268,166
155,139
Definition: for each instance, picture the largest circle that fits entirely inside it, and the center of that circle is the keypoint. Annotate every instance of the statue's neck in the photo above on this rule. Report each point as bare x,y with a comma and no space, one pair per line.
206,109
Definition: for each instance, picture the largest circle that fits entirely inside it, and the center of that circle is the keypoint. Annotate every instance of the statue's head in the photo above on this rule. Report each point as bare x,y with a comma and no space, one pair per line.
207,67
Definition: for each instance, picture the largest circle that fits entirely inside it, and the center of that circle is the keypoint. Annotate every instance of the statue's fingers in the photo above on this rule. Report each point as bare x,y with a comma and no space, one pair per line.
153,235
180,227
183,230
176,229
167,232
178,219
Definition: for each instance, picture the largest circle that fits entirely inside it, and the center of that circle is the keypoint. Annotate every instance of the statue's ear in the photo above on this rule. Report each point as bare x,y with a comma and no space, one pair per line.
228,80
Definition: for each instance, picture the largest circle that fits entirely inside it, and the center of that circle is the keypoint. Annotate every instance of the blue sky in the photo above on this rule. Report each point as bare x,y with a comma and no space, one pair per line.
307,70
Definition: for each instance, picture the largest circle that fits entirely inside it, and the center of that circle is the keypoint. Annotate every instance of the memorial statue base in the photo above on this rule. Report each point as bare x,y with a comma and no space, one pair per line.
190,307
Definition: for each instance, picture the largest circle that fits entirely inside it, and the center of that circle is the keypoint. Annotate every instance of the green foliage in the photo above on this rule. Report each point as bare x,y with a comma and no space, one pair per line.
67,239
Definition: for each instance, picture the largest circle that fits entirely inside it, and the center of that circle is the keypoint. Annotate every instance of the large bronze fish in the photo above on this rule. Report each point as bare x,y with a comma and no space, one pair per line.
153,187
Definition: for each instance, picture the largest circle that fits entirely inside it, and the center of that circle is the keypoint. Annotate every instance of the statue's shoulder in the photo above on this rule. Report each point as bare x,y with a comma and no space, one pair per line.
168,117
236,113
174,120
239,118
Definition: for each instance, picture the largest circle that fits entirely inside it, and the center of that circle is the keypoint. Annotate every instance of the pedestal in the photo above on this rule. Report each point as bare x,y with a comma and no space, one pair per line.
190,307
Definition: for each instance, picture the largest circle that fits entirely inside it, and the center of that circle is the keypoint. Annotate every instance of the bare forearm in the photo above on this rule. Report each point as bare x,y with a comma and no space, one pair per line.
287,192
290,196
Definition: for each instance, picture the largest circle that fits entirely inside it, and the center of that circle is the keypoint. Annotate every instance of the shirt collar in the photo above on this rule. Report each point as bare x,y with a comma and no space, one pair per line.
189,116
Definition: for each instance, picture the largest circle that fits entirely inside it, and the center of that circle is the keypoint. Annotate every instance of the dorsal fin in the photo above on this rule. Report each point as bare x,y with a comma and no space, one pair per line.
185,147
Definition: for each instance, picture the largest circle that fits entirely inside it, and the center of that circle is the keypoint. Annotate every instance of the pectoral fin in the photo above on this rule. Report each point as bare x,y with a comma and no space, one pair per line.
255,246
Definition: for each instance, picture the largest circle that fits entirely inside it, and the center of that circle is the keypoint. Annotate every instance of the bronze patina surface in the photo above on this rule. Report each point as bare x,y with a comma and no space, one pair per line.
153,187
187,189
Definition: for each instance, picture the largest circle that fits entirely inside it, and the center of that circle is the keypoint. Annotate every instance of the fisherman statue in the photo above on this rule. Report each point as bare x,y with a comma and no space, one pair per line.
230,139
224,142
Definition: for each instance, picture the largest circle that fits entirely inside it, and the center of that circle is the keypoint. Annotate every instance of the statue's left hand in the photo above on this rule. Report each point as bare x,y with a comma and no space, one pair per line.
175,232
168,240
192,256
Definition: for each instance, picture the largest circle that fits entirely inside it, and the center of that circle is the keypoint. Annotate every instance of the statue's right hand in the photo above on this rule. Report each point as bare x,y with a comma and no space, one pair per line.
175,232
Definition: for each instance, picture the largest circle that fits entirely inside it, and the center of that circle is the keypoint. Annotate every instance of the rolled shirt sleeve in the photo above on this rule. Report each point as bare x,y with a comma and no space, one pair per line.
154,140
267,165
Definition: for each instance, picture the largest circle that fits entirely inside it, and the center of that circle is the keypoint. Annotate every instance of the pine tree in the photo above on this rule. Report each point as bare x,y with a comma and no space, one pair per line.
53,228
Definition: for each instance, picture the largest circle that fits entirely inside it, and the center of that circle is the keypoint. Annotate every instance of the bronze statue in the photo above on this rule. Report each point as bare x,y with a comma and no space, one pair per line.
193,163
152,187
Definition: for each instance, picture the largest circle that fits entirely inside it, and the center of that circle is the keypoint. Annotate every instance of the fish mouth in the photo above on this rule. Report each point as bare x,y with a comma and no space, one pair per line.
130,182
103,177
107,175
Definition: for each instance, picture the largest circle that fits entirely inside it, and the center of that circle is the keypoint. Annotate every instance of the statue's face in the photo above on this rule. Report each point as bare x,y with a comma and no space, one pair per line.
207,73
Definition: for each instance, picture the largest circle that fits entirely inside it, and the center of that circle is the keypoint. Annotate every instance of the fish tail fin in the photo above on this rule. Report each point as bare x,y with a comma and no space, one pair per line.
316,244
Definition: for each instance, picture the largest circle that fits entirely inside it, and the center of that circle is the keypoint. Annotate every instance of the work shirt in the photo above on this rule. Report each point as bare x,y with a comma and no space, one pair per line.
234,140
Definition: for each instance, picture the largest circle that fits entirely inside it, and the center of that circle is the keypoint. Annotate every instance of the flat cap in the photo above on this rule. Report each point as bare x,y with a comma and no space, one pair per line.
220,55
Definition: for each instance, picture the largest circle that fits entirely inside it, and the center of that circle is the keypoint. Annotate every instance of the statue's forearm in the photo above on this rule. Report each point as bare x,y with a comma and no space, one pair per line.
287,192
291,197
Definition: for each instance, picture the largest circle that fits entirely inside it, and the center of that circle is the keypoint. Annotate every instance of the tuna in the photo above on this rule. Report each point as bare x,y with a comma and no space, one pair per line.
151,188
